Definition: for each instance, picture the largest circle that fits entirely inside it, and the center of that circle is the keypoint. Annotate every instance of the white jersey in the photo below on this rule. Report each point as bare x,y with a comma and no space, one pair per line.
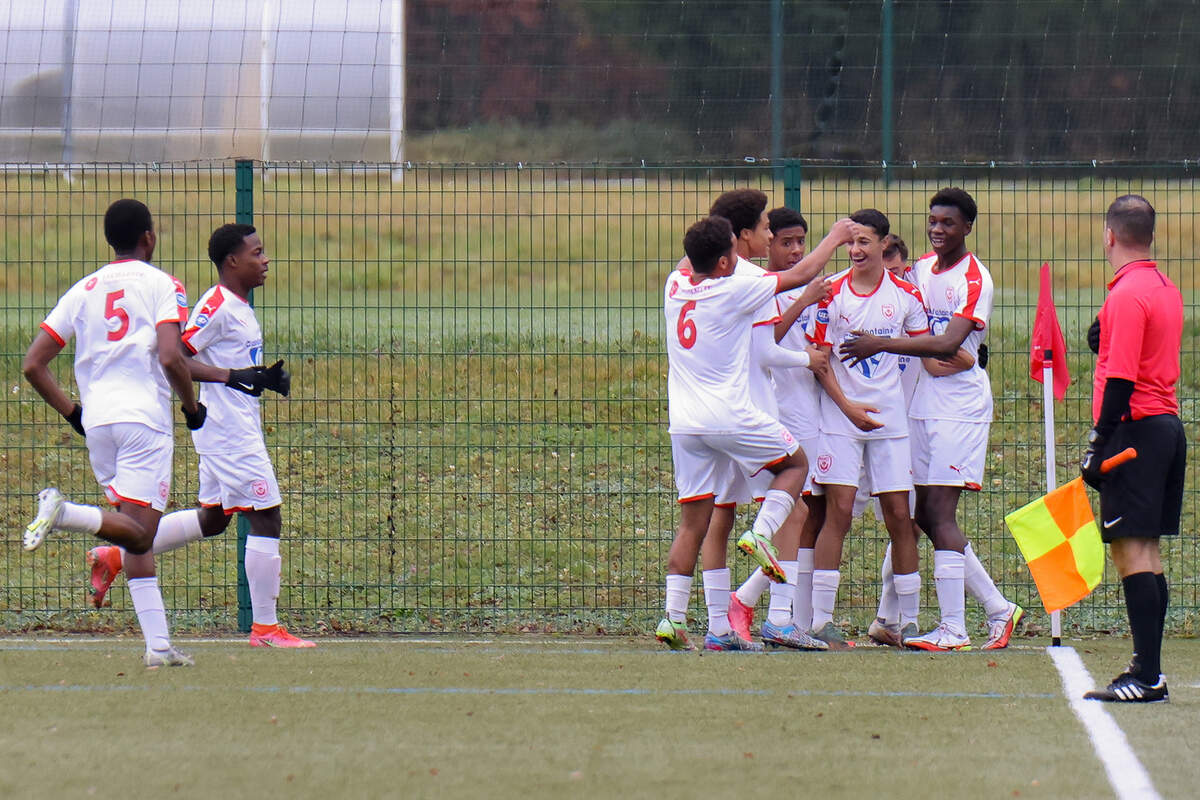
762,389
964,290
891,310
910,366
114,314
708,350
223,332
796,388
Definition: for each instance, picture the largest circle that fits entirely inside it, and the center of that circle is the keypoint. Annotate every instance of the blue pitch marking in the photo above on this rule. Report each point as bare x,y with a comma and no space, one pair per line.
469,690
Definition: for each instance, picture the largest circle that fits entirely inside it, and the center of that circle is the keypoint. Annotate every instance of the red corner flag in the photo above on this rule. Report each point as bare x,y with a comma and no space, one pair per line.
1047,335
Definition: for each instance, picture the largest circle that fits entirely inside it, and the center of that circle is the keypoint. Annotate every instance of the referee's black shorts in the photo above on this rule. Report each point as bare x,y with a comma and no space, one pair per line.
1144,497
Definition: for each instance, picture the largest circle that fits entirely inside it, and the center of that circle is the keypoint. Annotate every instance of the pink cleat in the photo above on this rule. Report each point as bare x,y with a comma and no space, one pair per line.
105,564
741,616
275,636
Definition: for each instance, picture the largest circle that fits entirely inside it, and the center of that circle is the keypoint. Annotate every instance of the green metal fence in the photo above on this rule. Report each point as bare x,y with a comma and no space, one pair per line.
476,437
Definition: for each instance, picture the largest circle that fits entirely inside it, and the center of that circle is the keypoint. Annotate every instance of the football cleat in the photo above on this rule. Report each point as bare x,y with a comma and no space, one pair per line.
776,636
832,637
275,636
761,550
674,635
731,642
1127,688
167,658
741,616
105,565
1000,630
885,633
939,640
50,505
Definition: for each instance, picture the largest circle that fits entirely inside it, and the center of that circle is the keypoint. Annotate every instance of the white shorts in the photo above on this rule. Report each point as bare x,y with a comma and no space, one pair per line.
740,488
132,463
703,461
238,482
947,452
841,460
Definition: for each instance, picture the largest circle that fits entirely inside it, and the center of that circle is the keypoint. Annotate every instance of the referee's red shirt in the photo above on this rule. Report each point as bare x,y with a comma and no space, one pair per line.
1141,327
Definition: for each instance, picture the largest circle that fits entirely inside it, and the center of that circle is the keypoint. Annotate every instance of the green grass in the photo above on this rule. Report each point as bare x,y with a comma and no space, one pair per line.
549,716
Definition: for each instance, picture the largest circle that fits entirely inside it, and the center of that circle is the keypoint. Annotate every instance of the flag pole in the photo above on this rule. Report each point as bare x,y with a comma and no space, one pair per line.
1051,478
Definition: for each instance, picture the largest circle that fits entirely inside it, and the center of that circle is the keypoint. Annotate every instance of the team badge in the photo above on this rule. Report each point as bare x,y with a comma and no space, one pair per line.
824,462
259,487
888,310
787,436
164,490
91,284
950,294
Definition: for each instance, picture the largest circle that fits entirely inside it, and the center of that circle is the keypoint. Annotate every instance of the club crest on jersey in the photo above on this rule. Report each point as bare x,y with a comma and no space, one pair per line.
824,462
259,487
888,310
950,293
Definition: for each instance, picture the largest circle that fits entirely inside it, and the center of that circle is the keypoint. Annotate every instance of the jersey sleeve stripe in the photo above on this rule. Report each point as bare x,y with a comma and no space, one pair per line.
53,334
974,288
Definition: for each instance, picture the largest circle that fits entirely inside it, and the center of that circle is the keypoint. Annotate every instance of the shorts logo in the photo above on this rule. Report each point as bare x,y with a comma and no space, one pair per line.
823,316
824,462
787,436
91,284
164,490
888,310
259,487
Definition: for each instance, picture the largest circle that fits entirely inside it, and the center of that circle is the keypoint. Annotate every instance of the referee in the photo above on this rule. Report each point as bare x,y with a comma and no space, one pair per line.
1134,405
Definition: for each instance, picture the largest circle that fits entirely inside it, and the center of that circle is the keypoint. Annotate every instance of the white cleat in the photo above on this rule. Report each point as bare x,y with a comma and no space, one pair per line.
939,640
50,505
167,658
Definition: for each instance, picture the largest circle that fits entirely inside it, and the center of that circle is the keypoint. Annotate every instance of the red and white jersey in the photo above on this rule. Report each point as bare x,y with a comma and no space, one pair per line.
796,388
891,310
223,332
762,389
708,350
910,366
964,290
113,315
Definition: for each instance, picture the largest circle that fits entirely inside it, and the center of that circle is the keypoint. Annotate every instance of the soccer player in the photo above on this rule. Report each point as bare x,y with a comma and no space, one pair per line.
714,426
125,318
1134,404
746,211
950,417
868,297
224,337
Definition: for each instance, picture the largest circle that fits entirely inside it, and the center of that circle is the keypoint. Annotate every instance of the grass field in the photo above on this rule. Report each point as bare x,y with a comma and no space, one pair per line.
557,716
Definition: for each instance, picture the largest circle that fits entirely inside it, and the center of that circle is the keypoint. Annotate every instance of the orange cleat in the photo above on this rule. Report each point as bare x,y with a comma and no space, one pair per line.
105,564
275,636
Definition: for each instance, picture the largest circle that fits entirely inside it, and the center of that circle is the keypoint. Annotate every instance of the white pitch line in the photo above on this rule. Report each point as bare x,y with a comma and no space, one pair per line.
1128,777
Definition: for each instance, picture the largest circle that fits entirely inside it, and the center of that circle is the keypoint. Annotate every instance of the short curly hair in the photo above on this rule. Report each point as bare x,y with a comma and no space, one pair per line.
954,196
706,241
742,207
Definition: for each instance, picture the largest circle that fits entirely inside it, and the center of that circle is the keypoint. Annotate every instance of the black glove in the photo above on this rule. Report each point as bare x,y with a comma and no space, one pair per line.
1089,467
983,356
195,421
247,379
1093,336
277,379
76,419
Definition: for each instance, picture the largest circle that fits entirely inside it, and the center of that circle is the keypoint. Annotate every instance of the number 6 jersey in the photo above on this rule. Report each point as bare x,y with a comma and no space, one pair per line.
113,315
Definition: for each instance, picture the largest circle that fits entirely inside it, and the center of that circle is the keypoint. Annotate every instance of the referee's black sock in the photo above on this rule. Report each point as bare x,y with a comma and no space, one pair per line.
1145,614
1162,602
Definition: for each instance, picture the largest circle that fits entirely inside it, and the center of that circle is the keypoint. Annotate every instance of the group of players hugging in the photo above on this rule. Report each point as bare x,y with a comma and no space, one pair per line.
812,395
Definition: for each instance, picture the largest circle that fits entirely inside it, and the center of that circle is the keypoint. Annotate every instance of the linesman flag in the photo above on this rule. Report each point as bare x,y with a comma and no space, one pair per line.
1047,335
1058,536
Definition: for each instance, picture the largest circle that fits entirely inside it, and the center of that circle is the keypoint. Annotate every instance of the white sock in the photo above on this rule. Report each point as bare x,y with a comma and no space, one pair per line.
679,588
802,597
907,591
773,512
76,518
148,603
889,604
780,611
262,573
824,596
716,597
177,529
981,587
948,581
749,592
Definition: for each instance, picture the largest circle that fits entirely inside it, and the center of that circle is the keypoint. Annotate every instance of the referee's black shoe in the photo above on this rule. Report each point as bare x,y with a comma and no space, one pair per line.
1126,688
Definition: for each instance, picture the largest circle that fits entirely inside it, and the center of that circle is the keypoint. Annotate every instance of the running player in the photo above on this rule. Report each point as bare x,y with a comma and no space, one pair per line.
868,297
125,318
950,417
223,335
709,313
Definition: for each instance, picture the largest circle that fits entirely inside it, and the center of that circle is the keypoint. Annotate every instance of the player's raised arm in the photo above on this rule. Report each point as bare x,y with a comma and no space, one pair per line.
804,270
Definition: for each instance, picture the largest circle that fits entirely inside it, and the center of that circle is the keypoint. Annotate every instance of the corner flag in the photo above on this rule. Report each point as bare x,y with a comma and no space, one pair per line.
1047,336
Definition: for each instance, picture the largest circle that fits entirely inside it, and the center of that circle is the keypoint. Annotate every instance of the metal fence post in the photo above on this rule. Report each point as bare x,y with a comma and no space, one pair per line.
244,213
791,184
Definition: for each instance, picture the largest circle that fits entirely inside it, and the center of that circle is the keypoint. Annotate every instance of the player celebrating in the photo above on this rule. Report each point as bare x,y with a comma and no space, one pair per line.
125,318
1134,404
713,424
868,297
235,470
950,417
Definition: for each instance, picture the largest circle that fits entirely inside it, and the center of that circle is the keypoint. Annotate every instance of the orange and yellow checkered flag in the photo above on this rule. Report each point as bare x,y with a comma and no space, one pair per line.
1058,536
